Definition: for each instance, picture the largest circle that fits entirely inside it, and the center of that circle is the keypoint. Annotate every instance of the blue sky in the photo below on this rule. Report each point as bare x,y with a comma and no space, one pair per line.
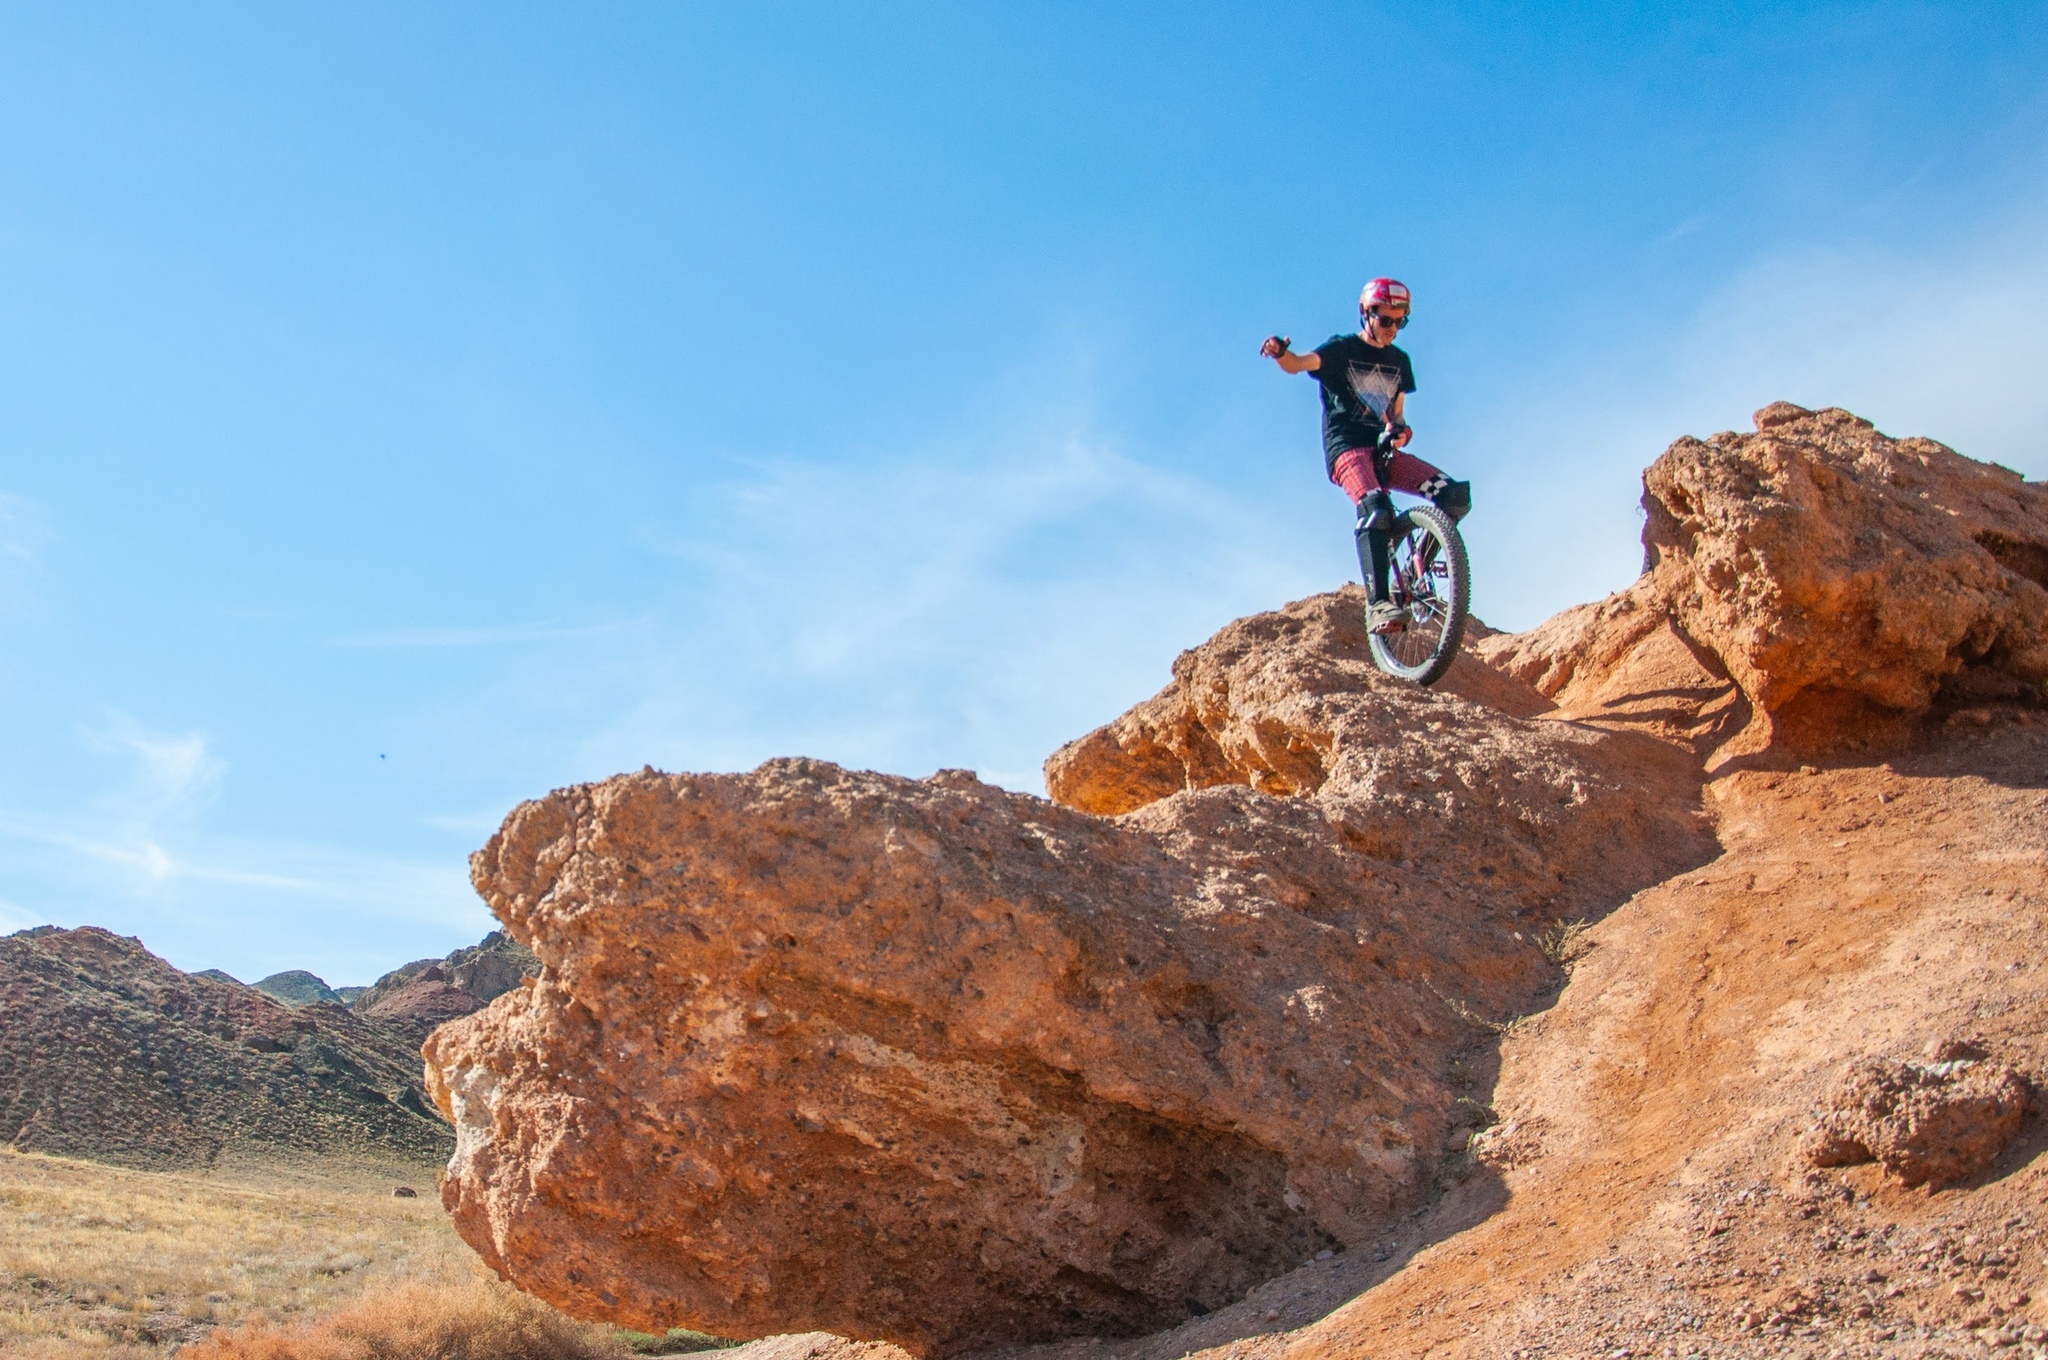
407,409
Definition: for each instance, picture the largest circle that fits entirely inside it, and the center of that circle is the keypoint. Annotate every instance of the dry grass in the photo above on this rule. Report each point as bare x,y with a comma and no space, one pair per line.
469,1319
119,1263
313,1261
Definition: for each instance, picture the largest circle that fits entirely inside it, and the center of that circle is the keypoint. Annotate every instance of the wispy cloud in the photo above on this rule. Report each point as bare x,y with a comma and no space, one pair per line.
494,636
973,604
172,776
383,886
168,780
1950,343
1684,229
846,562
147,856
140,854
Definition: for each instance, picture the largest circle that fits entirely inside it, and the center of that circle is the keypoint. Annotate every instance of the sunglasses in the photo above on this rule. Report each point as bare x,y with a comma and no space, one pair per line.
1397,322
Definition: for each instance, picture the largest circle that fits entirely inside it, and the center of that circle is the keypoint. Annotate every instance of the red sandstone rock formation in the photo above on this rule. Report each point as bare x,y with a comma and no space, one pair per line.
927,1061
1265,703
423,1004
1052,1073
417,997
1812,585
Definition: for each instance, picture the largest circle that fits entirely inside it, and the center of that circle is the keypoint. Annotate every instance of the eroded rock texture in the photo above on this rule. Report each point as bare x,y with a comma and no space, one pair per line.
1809,585
1265,703
932,1062
1927,1122
1541,815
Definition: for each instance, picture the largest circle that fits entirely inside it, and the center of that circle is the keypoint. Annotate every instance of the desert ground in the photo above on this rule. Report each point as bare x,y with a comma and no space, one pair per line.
131,1262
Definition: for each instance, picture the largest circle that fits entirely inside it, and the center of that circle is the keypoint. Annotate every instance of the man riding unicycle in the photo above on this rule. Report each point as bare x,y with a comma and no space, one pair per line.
1364,380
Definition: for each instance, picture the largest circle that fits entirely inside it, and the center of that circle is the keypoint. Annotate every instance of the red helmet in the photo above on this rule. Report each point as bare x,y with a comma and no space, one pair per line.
1384,293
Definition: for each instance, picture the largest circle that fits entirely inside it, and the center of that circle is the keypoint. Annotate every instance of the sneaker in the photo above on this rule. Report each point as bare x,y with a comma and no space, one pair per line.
1386,617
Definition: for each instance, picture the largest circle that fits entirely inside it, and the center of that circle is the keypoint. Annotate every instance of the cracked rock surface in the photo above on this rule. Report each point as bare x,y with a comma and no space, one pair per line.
1250,1045
936,1063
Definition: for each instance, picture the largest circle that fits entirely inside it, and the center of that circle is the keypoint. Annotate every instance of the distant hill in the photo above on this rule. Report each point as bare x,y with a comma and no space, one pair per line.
297,987
417,996
108,1052
430,992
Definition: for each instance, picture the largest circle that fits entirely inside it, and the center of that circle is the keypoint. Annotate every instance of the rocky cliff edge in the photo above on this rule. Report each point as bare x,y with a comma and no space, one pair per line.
931,1062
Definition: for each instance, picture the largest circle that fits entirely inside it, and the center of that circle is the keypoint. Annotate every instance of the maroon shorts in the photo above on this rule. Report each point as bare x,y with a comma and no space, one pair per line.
1354,471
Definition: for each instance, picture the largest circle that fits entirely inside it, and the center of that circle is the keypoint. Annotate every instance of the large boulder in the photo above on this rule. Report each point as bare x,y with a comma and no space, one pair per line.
1812,585
932,1062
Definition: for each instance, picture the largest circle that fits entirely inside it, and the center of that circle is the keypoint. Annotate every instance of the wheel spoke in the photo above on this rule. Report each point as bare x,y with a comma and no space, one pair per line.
1428,579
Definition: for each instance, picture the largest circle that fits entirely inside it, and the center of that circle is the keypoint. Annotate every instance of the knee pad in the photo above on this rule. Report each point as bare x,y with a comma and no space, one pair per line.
1454,499
1375,513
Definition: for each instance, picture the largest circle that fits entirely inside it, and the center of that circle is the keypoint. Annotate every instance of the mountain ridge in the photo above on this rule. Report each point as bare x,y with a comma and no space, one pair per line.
111,1053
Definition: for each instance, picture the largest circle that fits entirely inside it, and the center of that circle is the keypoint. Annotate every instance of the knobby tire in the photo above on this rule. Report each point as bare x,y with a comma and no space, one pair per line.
1433,579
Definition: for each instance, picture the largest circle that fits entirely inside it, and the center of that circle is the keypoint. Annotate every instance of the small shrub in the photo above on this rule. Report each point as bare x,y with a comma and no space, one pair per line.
1564,943
1476,1115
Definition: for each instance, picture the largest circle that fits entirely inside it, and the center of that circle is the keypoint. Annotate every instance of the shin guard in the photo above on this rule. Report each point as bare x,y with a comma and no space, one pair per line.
1375,523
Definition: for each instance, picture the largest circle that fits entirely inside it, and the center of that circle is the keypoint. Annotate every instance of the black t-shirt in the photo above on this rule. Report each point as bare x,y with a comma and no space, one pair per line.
1359,384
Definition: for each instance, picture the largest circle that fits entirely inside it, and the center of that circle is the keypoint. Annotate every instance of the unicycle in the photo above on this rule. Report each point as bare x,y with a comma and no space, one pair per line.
1428,573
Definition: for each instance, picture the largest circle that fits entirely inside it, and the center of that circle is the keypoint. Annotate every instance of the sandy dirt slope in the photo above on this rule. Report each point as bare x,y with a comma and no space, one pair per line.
1655,1192
1646,1192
